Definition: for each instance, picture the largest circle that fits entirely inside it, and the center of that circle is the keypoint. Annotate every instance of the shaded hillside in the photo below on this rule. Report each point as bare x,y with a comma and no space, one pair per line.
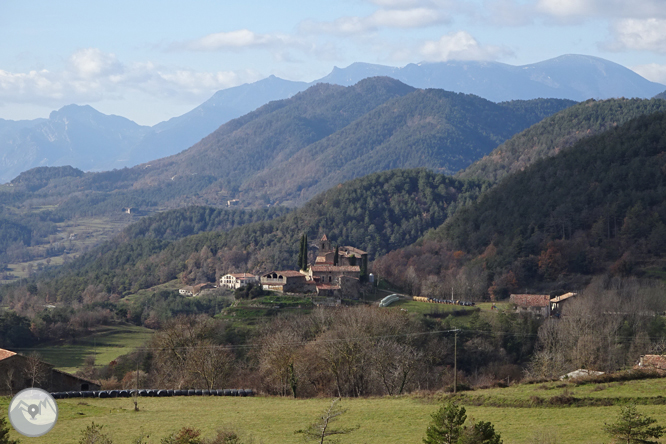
292,149
558,132
377,213
179,133
600,204
427,128
661,95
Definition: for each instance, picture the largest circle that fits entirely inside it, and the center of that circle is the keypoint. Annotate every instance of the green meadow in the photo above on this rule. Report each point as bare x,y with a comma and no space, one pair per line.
381,420
106,344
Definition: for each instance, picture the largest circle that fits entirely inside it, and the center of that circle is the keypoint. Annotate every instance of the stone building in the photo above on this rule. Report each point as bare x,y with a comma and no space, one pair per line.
18,372
532,303
286,281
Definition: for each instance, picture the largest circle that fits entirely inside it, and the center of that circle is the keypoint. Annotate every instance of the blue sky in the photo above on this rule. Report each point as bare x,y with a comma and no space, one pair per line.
149,60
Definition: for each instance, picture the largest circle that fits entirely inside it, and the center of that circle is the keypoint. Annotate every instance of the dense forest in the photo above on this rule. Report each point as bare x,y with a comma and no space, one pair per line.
595,208
377,213
558,132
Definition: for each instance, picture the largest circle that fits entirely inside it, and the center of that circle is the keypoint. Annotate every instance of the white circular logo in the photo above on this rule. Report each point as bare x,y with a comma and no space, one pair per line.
33,412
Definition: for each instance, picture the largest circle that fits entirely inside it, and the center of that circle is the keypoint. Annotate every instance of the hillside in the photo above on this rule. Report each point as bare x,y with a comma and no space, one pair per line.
376,213
599,206
558,132
292,149
289,150
181,132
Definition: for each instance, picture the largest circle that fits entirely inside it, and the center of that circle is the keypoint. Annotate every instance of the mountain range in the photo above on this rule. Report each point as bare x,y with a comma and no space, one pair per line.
91,141
290,150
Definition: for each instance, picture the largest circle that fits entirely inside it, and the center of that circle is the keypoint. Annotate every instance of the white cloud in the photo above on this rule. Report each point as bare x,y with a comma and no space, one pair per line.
92,75
582,9
566,8
92,62
243,38
459,46
391,17
653,72
641,35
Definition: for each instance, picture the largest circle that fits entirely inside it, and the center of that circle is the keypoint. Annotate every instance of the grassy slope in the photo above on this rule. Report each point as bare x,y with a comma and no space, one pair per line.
382,420
107,344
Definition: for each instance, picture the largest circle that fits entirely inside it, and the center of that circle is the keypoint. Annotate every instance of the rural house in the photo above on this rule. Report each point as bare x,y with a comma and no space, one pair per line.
557,302
18,372
538,304
238,280
286,281
652,362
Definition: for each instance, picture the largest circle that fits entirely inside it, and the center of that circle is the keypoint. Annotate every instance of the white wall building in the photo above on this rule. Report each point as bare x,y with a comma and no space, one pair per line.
238,280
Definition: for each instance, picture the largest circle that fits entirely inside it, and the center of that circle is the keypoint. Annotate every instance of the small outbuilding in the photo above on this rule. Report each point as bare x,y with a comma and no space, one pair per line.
538,304
18,372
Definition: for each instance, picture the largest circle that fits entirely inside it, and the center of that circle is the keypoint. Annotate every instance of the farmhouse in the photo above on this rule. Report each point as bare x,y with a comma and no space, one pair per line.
238,280
557,302
286,281
652,362
18,372
538,304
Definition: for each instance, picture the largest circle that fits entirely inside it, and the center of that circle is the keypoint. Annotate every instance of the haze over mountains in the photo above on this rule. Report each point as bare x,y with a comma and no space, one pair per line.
91,141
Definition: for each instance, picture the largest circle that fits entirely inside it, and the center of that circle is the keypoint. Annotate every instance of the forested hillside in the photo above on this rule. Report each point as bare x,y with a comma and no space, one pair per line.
292,149
377,213
558,132
595,208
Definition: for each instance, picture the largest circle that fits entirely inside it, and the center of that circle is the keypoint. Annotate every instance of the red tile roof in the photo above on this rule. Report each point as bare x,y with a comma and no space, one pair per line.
530,300
285,273
327,287
4,354
336,268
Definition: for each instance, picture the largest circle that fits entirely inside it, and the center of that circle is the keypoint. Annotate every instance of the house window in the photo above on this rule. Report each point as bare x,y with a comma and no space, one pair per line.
329,279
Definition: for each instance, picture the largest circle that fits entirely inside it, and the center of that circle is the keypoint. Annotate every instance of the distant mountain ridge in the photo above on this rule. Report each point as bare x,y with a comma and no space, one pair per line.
46,142
573,77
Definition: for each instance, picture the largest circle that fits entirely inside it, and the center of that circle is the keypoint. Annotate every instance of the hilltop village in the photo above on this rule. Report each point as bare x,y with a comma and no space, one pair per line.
338,272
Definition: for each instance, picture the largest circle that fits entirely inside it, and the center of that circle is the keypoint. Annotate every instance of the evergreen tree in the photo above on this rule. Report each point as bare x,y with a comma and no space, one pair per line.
300,253
4,433
336,257
634,428
447,425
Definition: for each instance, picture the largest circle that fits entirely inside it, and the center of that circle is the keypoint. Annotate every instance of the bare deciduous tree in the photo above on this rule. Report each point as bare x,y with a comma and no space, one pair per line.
35,370
321,429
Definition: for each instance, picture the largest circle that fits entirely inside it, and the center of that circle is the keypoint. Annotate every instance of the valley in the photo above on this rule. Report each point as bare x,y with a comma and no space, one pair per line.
517,241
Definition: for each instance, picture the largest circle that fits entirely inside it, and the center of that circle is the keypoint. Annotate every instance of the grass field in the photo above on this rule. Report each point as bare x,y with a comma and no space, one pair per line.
107,343
381,420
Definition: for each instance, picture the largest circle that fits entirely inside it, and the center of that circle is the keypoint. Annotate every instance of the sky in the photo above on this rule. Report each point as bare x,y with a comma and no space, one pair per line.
152,60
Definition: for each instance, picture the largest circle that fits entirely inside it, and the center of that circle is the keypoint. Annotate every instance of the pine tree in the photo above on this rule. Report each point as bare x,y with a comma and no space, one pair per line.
300,253
305,251
634,428
447,425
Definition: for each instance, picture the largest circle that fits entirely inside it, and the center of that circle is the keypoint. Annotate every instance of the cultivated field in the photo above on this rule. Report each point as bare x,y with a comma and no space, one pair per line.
382,420
107,344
